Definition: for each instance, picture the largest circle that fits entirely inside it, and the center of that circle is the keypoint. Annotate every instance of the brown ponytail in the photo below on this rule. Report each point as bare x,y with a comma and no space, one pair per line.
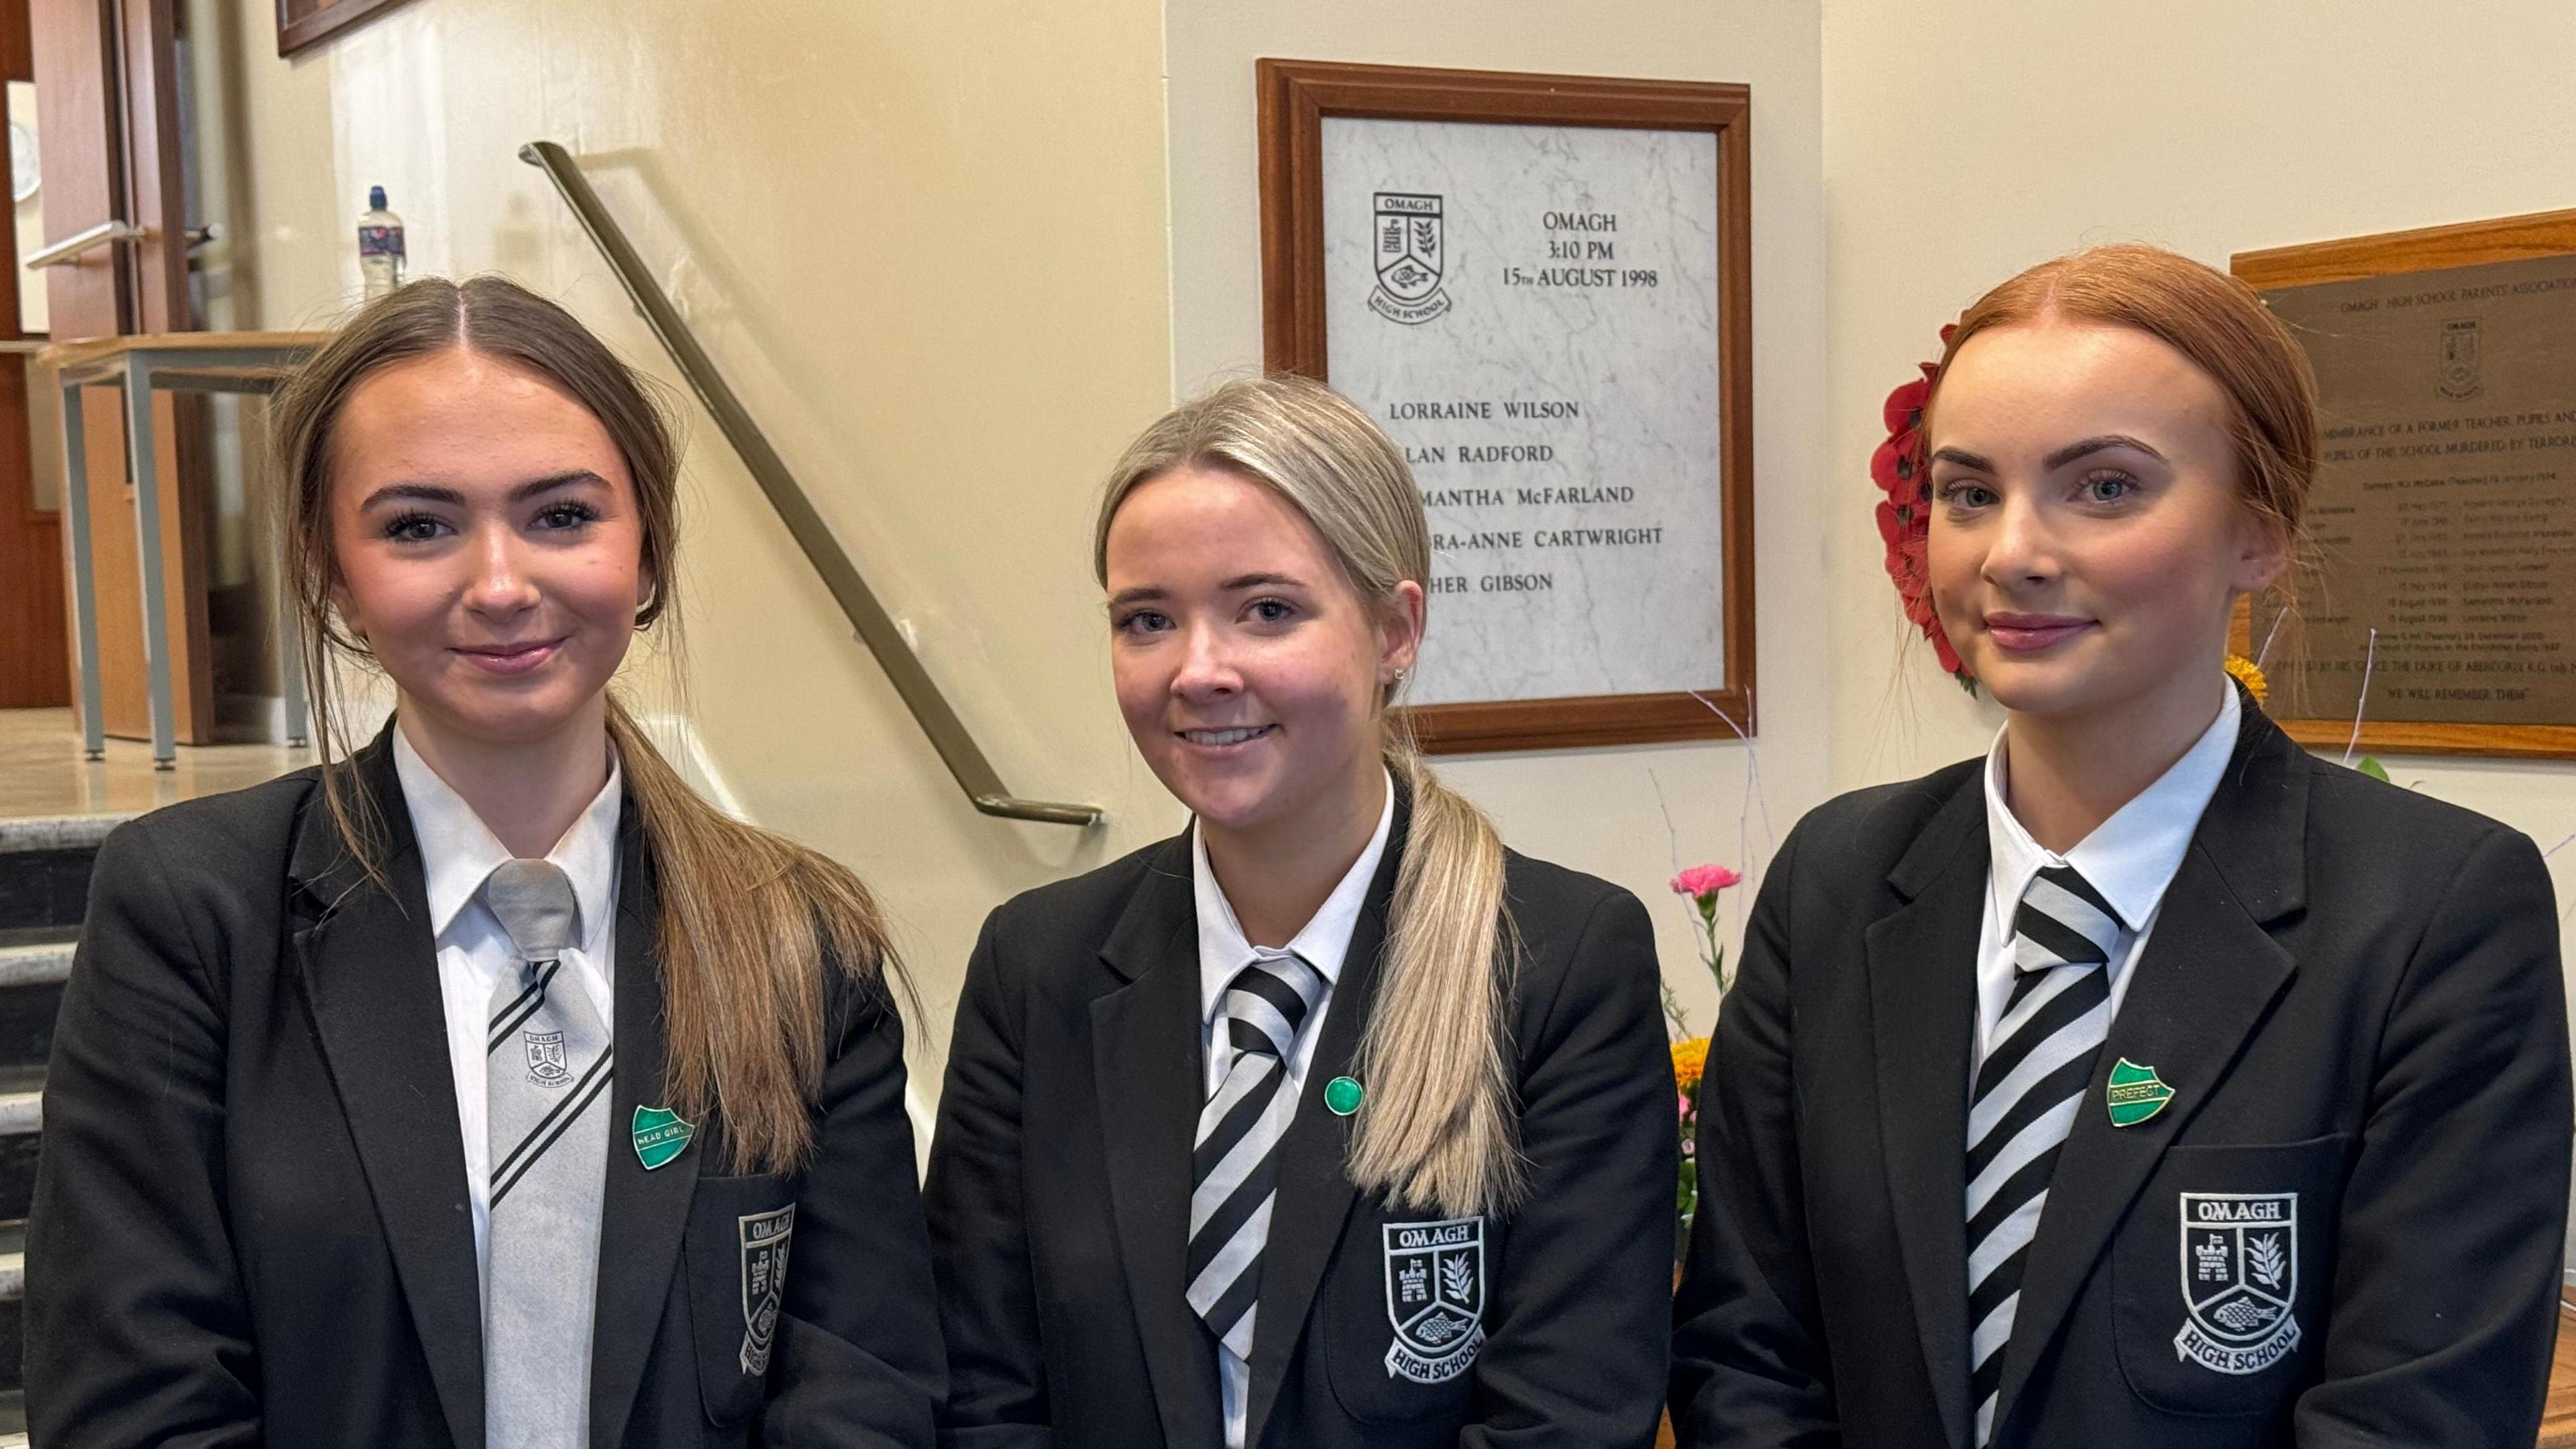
1438,1127
748,919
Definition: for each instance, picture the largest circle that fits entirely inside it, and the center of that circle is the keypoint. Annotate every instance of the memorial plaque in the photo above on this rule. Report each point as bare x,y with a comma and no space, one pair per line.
1534,285
2440,610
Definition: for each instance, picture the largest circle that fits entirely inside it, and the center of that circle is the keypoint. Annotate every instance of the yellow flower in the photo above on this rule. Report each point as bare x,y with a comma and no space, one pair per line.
1690,1059
2251,677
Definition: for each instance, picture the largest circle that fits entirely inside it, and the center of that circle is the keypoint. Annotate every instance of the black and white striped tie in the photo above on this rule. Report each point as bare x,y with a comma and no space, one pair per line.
1235,1169
548,1068
2028,1089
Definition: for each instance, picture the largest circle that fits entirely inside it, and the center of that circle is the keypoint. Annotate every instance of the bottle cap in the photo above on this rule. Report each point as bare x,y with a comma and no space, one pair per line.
375,198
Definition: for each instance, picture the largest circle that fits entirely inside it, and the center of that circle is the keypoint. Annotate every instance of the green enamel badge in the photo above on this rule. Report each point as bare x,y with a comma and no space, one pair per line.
660,1135
2135,1094
1342,1096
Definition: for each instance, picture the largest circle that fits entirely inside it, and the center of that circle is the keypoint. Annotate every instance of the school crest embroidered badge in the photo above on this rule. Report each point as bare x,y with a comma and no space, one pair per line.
765,1240
546,1064
1435,1297
2240,1279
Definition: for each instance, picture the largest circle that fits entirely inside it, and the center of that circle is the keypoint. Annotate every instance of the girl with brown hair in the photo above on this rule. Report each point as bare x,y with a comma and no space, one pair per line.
2147,1081
486,1086
1331,1121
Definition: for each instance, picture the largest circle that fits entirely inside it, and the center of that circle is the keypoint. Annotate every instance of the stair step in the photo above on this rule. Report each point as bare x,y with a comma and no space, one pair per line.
57,832
22,1104
40,962
44,890
13,1321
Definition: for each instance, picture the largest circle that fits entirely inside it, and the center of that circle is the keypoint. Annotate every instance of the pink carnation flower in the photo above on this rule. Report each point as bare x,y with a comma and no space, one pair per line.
1702,882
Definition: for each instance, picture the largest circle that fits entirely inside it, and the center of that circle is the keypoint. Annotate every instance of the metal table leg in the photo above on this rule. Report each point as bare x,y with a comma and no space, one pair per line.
145,465
84,580
290,669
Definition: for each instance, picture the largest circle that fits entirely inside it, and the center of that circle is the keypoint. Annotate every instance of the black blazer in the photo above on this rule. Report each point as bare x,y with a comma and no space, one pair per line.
250,1222
2352,990
1059,1190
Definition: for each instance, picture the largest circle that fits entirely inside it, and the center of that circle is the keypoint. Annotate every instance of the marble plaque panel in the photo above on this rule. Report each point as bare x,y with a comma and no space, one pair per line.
1531,311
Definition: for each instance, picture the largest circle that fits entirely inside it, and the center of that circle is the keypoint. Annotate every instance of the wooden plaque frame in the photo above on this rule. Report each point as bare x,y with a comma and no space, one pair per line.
1295,96
302,23
2506,239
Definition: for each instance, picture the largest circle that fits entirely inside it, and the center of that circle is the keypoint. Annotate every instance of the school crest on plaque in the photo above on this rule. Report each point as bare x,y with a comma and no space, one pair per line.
2240,1279
1406,243
765,1240
2459,359
546,1064
1435,1297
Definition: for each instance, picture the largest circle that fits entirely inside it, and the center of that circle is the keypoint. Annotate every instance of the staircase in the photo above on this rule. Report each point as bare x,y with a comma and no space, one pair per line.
44,886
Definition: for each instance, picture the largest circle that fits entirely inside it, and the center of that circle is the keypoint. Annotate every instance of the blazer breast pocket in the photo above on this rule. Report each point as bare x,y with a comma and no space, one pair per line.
1403,1314
742,1231
2220,1277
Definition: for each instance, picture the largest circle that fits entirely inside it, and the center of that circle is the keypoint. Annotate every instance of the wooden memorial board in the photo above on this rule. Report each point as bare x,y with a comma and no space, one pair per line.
1540,287
2443,523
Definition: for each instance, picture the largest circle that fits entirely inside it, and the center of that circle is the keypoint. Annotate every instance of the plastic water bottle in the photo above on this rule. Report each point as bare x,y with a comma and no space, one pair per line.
380,246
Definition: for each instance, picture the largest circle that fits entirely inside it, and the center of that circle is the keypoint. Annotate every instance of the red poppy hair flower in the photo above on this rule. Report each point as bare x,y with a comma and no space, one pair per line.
1901,467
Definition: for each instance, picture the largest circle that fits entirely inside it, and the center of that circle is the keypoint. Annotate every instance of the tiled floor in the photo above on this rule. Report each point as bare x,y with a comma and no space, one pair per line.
42,772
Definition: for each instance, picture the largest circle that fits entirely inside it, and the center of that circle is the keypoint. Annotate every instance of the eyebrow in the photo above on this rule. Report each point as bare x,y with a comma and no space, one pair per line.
1142,593
437,493
2090,446
2058,459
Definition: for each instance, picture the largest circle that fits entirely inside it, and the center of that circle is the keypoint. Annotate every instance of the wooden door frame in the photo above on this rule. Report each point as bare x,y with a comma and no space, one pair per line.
36,671
107,89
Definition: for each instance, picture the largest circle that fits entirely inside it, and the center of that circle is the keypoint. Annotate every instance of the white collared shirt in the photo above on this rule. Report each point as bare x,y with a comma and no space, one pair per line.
457,852
1223,952
2130,858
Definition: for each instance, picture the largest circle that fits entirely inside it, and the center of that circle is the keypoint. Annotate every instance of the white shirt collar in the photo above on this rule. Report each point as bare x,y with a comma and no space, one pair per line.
2131,857
458,851
1323,943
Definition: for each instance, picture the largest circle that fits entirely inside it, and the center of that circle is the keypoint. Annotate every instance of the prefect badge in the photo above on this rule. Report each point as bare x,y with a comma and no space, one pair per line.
2240,1279
1435,1297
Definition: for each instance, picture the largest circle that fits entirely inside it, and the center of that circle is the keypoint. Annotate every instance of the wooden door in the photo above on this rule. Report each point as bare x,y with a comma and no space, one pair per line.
35,657
107,93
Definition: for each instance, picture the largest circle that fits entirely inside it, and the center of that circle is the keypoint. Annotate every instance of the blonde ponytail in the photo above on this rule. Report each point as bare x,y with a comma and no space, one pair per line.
1438,1127
749,921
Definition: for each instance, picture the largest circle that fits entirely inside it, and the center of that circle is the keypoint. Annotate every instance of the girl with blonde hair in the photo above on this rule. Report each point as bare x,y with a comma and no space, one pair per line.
486,1086
1330,1121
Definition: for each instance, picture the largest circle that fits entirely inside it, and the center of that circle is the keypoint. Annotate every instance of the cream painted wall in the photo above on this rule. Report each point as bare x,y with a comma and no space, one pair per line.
953,256
933,247
1966,139
927,244
1631,815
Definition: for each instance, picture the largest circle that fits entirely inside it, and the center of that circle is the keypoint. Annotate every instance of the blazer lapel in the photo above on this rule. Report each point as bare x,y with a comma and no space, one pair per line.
1315,1191
1147,1067
2208,975
643,1213
369,970
1923,1013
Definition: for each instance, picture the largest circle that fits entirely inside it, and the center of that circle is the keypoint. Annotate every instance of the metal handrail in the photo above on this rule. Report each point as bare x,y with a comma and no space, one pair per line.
81,243
930,709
